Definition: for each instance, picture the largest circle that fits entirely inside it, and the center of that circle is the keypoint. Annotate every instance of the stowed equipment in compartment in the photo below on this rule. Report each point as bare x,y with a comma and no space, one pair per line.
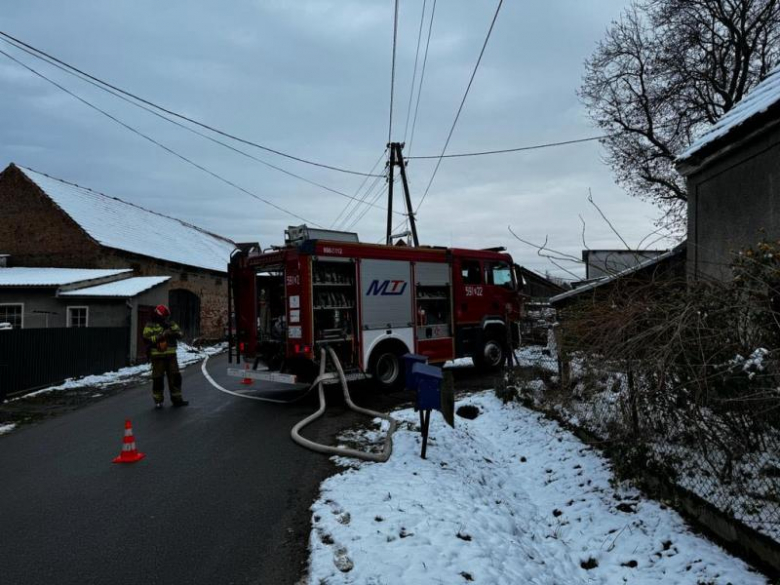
335,307
434,304
433,312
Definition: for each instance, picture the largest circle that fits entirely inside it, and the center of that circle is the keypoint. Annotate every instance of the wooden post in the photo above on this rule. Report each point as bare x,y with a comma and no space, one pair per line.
564,366
399,160
632,398
388,240
425,426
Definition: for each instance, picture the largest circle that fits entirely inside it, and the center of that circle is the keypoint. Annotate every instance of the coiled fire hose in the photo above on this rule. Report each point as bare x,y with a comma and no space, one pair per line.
380,457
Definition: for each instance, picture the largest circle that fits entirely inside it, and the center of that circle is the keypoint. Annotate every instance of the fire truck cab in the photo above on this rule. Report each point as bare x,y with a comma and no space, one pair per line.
371,303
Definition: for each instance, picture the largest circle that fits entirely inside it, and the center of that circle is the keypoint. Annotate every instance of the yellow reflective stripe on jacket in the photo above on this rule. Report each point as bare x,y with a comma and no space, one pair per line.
153,334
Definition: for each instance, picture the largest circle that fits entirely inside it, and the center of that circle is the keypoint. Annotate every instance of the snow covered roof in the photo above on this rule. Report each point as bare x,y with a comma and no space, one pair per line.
765,95
124,226
126,288
607,279
24,276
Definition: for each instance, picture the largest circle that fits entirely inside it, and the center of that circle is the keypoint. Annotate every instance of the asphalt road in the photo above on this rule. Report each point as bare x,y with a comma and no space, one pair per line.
222,496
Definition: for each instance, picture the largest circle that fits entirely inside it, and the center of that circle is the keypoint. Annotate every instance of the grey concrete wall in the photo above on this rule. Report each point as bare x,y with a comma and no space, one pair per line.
102,313
729,202
36,300
156,296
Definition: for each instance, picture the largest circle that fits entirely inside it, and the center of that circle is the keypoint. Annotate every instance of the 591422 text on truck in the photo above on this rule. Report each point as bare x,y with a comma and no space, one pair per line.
371,303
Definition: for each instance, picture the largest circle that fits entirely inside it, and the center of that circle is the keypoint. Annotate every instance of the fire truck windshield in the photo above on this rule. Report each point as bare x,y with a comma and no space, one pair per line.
500,274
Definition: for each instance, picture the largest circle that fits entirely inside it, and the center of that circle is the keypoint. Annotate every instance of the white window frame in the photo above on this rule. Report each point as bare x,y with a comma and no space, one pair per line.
15,305
67,312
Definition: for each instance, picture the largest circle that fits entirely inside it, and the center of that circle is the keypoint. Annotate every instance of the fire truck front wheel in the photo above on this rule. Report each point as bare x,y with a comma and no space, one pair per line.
490,355
386,368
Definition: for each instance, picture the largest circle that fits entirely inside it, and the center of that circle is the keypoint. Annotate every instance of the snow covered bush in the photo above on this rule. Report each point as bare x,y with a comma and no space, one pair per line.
683,380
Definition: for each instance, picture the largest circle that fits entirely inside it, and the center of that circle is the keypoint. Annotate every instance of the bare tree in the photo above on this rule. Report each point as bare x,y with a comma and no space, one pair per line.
665,70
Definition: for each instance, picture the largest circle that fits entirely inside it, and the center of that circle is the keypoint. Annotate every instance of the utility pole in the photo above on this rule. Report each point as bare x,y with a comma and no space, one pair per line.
397,159
391,178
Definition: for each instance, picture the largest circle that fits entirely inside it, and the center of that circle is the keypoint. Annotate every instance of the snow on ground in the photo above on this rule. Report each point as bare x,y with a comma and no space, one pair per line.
466,362
186,354
599,404
7,428
526,356
509,497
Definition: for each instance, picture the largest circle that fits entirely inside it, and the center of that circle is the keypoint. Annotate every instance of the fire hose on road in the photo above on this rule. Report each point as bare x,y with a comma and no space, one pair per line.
380,457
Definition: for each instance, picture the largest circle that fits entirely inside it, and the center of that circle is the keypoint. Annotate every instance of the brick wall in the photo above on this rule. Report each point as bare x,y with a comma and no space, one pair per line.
35,232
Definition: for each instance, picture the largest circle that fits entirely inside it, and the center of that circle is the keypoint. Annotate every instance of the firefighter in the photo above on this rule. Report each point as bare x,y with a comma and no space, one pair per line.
161,334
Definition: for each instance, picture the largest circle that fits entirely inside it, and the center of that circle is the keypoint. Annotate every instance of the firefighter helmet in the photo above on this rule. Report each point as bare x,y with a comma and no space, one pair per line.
162,311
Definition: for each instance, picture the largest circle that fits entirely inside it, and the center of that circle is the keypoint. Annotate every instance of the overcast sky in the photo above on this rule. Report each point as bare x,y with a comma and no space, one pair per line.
312,78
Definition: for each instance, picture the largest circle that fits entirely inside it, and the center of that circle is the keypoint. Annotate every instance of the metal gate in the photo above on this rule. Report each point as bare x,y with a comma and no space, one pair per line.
32,358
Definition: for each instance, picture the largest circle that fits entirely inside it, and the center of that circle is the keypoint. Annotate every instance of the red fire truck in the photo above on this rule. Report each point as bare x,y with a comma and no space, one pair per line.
371,303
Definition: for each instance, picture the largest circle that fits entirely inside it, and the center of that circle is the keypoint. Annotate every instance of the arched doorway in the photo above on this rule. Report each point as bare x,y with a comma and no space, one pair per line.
185,310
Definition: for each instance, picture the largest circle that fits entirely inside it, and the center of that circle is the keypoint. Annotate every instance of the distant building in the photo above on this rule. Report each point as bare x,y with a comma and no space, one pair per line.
536,287
600,263
537,314
668,266
47,222
733,176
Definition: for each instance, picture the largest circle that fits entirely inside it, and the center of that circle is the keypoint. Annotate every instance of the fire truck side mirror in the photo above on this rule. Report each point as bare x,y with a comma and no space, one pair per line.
518,278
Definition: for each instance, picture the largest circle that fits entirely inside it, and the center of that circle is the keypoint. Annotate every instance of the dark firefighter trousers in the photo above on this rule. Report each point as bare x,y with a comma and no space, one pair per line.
166,366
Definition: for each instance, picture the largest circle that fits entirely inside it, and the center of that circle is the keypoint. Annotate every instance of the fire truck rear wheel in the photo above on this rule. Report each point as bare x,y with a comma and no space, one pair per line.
491,355
386,368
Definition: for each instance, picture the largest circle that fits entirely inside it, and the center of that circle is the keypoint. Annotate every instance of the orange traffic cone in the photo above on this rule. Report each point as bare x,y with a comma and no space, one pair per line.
129,453
246,381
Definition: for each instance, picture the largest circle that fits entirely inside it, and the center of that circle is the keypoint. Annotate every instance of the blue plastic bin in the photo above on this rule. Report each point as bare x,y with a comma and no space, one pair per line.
429,380
410,359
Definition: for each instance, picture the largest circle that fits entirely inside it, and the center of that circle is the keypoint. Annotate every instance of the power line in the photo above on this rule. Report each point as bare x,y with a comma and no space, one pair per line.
155,142
422,75
181,116
381,193
460,108
189,129
360,187
358,218
518,149
414,72
365,197
392,72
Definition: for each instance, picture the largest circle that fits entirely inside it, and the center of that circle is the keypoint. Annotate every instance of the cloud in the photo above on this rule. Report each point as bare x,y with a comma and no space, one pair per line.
312,78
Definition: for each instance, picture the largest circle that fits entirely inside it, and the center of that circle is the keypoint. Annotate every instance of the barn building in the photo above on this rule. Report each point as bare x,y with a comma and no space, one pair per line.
47,222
